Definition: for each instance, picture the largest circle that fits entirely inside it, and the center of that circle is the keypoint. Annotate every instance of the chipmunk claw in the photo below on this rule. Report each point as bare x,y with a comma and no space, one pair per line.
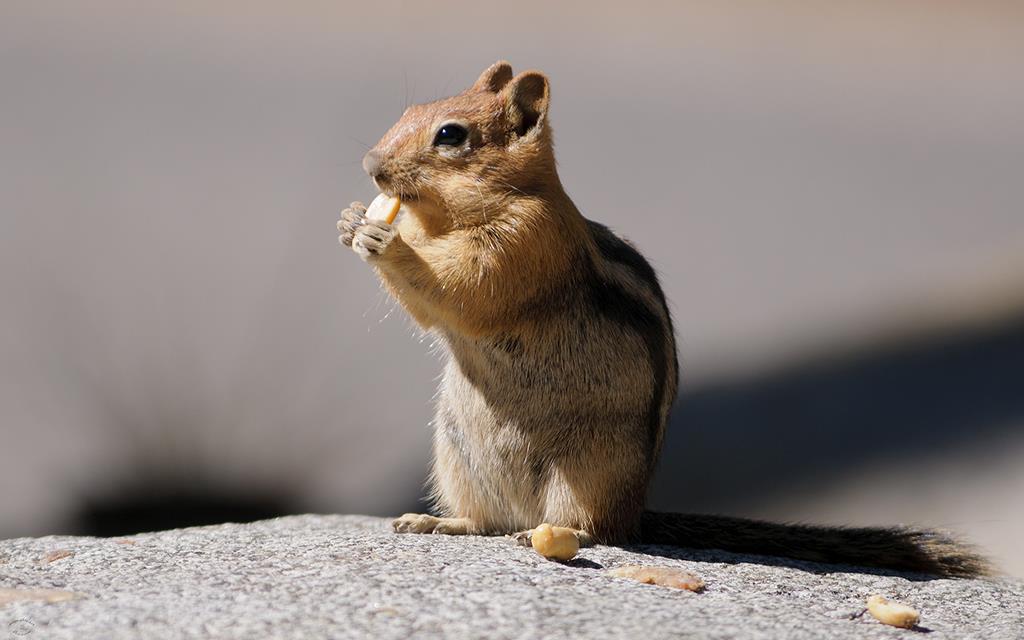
523,538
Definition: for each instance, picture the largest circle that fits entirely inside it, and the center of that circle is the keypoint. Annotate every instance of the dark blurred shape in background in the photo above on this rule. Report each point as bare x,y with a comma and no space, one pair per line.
831,193
156,510
889,404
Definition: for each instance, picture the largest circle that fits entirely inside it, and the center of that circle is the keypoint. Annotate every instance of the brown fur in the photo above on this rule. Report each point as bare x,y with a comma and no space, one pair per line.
561,361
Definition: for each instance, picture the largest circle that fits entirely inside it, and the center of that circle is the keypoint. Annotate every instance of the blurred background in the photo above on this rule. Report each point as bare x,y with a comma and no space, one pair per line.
833,194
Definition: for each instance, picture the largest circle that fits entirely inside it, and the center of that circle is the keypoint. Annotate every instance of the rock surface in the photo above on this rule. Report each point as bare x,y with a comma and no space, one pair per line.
350,577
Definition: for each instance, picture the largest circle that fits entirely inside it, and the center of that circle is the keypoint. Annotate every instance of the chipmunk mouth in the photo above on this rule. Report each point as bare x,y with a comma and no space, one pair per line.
395,191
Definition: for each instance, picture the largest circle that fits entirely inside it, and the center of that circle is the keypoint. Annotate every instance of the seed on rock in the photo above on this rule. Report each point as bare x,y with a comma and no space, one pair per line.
59,554
555,543
893,613
661,576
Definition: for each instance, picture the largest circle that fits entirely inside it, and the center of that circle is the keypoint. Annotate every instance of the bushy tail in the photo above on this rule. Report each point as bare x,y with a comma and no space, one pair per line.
895,548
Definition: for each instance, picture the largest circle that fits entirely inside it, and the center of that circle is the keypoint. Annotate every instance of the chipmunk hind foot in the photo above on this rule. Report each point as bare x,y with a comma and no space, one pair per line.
425,523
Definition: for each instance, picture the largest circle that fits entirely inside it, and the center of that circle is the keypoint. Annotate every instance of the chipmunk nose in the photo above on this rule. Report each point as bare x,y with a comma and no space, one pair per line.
372,162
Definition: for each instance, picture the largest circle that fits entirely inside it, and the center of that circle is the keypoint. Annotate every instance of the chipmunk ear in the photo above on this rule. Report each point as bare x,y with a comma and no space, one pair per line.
494,77
526,100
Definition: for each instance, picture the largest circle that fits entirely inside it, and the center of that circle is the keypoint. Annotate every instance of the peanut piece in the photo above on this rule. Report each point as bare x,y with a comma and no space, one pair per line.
384,207
555,543
39,595
893,613
59,554
661,576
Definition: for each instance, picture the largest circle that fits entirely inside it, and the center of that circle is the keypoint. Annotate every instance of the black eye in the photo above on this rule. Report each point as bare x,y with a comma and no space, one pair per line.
450,135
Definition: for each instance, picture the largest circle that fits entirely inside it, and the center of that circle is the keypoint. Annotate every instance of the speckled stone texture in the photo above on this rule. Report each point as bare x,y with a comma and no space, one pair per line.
351,577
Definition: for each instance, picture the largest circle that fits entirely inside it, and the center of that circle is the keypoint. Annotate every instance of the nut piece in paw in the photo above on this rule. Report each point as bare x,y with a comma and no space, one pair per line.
384,207
555,543
661,576
893,613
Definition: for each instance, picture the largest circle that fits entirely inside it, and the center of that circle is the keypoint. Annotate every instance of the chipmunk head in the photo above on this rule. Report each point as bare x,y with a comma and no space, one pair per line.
459,156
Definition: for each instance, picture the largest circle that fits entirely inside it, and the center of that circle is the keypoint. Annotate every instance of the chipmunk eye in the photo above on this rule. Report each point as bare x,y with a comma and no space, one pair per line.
450,135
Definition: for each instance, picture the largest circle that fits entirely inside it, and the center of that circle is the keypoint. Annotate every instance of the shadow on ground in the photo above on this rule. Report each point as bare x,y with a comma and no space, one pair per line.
726,557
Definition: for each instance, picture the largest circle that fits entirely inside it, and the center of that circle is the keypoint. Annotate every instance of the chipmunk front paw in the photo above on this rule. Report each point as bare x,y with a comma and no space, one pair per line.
372,238
351,219
368,238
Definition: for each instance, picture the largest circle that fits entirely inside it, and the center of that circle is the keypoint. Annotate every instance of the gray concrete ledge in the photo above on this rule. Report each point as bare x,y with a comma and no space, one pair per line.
350,577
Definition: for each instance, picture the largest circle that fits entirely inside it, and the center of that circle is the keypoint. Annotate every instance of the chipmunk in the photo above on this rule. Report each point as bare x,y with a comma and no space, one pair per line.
561,362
